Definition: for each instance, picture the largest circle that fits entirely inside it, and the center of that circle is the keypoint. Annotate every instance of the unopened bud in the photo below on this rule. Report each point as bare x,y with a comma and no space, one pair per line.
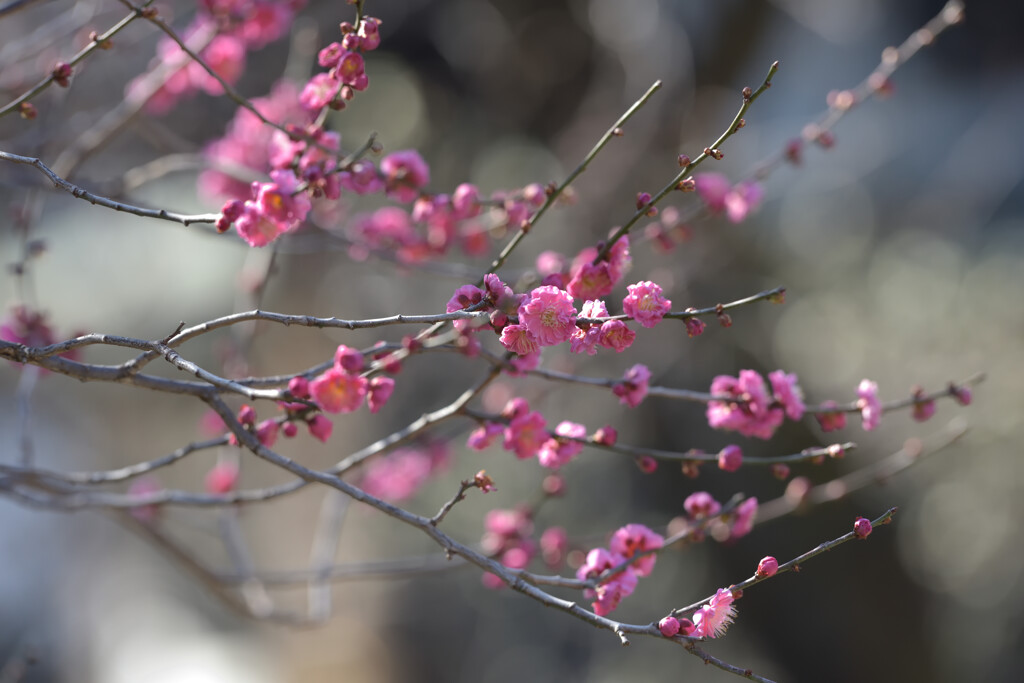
767,566
862,527
27,111
747,92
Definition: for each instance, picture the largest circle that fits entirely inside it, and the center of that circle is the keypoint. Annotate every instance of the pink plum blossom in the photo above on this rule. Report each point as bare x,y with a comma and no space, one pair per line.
549,315
320,427
525,434
751,414
337,391
701,504
645,303
405,173
615,334
637,538
714,618
519,340
787,393
870,406
378,392
614,588
745,515
222,478
633,387
556,452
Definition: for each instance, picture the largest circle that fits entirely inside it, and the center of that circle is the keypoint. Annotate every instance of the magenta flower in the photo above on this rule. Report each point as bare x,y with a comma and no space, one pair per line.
870,406
378,392
482,437
645,304
319,92
466,201
788,393
222,478
519,340
614,588
337,391
554,544
742,199
713,619
556,452
549,315
266,432
633,387
635,538
751,413
615,334
320,427
701,504
585,340
525,434
746,513
923,408
712,189
405,173
619,259
590,282
862,527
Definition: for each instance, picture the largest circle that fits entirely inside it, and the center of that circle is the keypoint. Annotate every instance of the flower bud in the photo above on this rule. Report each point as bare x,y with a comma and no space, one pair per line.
767,566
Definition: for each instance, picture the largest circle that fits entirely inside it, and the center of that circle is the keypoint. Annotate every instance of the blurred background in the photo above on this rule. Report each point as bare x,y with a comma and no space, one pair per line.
902,249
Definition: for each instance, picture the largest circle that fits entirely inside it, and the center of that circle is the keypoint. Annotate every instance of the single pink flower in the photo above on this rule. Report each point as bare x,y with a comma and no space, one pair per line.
585,340
614,588
590,281
645,304
701,504
525,434
746,513
633,387
555,452
337,391
549,315
405,173
319,92
712,189
222,478
519,340
669,626
615,334
482,437
751,413
713,619
320,427
788,393
378,392
635,538
266,432
870,406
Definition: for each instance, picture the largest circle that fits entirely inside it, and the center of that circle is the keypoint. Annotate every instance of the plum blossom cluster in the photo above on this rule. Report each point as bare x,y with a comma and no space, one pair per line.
631,541
342,388
751,411
525,433
346,69
240,25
